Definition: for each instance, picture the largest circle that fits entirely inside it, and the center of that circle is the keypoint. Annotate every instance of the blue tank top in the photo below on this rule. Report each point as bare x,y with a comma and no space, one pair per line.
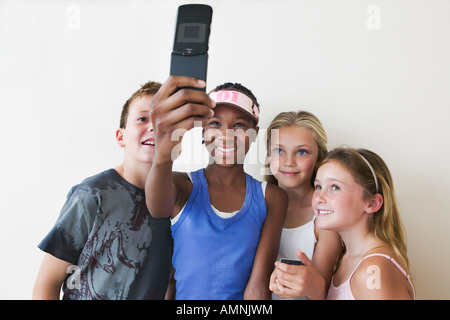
213,256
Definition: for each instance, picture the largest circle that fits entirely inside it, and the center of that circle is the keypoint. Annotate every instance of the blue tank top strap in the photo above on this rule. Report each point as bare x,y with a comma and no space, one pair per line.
195,177
189,203
204,189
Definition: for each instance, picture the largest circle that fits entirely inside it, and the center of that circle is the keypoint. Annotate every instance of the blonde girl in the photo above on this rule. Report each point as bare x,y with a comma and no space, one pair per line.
354,196
296,143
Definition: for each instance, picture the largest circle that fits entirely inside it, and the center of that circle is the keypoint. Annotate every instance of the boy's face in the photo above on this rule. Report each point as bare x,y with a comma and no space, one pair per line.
137,137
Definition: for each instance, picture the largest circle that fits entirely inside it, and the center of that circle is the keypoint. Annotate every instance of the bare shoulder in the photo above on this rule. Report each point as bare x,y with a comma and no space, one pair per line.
276,203
275,194
181,177
183,185
378,278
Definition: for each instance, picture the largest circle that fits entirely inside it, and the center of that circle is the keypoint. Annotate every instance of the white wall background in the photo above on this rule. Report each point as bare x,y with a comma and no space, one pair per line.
377,74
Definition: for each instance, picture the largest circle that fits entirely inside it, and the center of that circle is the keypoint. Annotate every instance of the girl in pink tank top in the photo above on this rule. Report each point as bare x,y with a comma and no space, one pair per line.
344,290
354,196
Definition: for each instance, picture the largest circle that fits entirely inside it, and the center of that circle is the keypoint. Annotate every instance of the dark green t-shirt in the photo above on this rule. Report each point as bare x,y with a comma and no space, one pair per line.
118,249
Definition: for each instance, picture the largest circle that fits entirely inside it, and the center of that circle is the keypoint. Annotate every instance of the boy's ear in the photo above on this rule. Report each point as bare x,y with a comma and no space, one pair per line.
375,203
119,137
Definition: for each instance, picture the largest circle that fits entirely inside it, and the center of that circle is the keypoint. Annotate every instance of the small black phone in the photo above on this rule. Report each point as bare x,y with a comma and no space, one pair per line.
190,47
292,262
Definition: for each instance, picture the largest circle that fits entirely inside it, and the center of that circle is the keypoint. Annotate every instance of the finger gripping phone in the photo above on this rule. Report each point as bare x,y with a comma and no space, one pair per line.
190,47
292,262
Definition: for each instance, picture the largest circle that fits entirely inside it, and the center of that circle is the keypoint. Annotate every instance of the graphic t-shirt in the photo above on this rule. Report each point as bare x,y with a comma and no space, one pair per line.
118,249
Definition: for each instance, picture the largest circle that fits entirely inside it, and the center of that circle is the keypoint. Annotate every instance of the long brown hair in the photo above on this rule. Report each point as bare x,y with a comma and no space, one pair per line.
385,224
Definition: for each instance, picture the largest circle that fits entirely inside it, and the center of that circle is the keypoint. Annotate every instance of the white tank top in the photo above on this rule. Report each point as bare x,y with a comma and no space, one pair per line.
303,238
292,239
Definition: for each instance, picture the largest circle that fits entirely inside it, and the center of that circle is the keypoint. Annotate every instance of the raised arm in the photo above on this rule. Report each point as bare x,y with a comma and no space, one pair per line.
173,112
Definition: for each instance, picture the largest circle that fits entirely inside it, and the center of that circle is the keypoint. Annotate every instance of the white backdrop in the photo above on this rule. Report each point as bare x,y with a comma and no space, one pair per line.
376,73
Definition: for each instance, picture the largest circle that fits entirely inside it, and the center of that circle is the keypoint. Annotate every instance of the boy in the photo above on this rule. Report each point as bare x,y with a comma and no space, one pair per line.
105,244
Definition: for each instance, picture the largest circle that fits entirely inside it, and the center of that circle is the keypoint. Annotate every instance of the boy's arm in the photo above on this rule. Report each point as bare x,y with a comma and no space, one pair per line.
269,244
50,278
173,113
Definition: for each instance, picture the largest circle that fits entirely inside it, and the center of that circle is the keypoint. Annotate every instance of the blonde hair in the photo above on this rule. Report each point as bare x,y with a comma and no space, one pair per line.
305,120
385,224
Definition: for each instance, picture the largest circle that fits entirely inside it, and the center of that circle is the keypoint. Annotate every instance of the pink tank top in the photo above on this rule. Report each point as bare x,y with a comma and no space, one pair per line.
344,291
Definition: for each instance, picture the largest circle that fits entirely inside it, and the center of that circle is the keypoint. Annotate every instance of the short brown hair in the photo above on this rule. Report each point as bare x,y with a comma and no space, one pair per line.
149,88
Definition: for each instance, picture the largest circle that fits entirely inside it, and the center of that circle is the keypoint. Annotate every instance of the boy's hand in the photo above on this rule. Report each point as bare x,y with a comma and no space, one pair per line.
173,113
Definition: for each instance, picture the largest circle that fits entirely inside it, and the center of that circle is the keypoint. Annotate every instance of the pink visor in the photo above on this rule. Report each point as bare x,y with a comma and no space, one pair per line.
237,99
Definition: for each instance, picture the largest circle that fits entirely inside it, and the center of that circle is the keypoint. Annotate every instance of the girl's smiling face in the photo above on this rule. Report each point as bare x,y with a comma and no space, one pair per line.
228,135
293,155
338,200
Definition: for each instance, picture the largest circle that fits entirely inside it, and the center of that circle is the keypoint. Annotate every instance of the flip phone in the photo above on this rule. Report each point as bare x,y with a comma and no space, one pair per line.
190,47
